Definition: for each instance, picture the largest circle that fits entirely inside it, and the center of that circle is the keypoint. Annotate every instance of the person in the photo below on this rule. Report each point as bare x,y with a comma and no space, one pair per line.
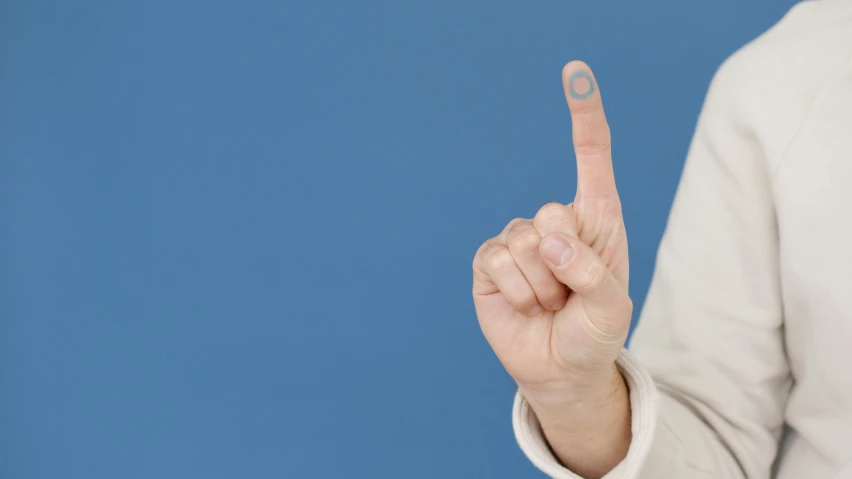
741,364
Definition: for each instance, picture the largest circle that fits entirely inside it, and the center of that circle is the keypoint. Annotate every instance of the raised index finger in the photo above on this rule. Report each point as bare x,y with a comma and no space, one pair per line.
591,136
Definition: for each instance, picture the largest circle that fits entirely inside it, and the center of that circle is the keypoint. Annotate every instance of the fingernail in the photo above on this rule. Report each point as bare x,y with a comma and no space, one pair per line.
556,250
535,310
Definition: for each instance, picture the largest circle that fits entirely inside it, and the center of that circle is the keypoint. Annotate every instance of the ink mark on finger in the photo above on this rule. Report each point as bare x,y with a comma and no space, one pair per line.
588,83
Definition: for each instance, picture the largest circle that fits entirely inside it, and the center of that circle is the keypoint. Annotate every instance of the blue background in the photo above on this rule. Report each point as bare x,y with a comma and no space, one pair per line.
236,236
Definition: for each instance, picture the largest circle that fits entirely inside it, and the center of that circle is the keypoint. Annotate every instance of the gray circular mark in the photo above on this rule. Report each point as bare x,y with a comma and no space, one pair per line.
573,78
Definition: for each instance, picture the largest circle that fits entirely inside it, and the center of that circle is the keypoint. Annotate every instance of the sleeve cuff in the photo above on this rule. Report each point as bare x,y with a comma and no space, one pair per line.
643,404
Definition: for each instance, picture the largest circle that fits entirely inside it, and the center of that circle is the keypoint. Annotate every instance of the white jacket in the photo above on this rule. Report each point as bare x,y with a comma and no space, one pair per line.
741,366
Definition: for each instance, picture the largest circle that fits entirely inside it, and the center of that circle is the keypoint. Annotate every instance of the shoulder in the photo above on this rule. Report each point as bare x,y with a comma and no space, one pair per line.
815,36
768,85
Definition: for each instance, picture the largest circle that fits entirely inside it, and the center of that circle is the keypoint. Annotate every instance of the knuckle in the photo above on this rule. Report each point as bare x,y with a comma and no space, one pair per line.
503,236
585,109
593,149
513,223
523,238
526,303
550,211
482,251
498,259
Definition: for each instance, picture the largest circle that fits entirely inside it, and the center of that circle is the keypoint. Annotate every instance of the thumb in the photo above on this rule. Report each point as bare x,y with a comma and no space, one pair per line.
605,300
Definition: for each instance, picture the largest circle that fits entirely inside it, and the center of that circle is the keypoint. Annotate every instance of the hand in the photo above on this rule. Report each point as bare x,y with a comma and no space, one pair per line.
555,324
551,292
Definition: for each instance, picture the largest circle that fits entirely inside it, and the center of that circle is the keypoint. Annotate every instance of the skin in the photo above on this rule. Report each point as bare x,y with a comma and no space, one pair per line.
572,85
556,320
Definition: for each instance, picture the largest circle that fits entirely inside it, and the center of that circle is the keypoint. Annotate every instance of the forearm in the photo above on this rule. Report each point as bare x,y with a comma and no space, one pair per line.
592,434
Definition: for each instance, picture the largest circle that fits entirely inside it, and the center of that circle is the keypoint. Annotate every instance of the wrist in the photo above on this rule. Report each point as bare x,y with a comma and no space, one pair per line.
589,434
576,393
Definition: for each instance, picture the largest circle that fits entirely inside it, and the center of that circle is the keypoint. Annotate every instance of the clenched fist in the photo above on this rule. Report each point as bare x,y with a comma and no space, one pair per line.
551,292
